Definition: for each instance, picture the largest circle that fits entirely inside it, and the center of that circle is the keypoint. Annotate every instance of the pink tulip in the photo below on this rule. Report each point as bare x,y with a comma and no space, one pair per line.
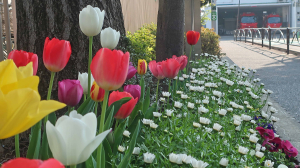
182,60
134,90
110,68
289,149
170,68
156,69
131,71
70,92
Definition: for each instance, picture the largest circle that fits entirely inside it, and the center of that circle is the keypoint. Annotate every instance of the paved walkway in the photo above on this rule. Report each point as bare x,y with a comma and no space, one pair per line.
280,73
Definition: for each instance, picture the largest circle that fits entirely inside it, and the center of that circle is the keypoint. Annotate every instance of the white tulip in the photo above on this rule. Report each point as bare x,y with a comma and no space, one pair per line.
156,114
83,78
169,112
199,164
174,158
147,121
166,94
204,120
153,125
243,150
222,112
149,157
121,148
224,162
253,139
91,20
259,154
246,117
282,166
197,125
73,138
217,127
191,105
126,133
109,38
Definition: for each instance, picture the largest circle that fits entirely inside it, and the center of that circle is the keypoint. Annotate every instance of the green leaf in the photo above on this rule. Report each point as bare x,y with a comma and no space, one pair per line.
125,161
87,106
149,113
132,127
91,163
108,122
146,101
34,145
108,153
52,118
142,84
134,113
118,136
44,149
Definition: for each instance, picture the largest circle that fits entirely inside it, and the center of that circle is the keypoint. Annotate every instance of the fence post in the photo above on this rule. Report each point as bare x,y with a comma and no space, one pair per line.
270,39
245,35
288,41
7,26
252,35
262,37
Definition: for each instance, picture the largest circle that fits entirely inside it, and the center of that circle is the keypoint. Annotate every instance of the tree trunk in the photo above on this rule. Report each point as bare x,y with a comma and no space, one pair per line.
38,19
170,29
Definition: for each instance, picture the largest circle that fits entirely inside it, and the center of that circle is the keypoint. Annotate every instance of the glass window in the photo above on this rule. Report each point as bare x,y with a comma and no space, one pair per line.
274,20
248,19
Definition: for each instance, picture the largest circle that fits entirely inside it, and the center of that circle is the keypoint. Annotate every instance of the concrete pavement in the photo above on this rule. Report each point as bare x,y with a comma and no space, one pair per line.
280,73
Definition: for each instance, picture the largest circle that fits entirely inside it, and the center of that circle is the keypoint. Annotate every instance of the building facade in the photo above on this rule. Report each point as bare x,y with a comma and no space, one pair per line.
255,12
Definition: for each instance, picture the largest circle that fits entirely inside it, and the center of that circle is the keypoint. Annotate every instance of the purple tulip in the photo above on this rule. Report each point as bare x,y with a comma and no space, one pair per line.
131,71
134,90
70,92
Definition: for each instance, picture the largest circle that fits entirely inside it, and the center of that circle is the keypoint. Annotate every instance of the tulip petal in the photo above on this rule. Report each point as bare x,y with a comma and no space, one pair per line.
57,143
51,163
29,82
85,154
27,70
77,134
22,163
90,120
74,114
8,72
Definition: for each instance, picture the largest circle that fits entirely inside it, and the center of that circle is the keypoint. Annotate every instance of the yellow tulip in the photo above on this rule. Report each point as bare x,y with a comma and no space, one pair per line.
142,67
20,103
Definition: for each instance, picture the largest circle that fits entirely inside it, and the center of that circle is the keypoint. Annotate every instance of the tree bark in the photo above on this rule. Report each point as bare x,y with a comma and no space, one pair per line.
38,19
170,29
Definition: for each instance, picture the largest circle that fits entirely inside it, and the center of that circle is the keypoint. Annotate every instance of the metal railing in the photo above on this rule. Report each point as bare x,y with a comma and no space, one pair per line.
287,36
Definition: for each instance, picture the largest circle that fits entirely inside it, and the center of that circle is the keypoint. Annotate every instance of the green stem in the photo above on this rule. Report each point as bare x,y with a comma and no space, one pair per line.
96,108
17,149
90,61
73,166
84,97
69,110
157,91
49,94
116,125
101,127
188,64
169,90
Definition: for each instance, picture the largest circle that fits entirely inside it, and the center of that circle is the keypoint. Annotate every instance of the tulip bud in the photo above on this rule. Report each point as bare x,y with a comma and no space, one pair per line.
70,92
83,78
182,60
22,58
126,108
192,37
109,38
91,20
72,140
97,93
142,67
156,69
131,71
134,90
56,54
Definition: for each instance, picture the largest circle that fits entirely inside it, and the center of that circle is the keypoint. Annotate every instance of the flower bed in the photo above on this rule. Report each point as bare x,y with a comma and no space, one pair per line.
207,118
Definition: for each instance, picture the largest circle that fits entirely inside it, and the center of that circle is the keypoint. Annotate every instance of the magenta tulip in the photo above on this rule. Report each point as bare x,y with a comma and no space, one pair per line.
131,71
70,92
134,90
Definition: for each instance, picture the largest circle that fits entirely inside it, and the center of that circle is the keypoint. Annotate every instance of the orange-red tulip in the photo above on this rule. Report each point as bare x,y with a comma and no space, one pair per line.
32,163
192,37
56,54
126,108
110,68
97,93
156,69
22,58
170,68
182,60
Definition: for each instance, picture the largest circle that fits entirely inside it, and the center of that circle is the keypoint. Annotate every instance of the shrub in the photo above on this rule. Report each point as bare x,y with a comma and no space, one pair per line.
210,42
141,44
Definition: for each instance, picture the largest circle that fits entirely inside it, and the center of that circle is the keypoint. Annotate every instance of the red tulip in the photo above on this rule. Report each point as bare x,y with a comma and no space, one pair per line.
182,60
56,54
192,37
134,90
32,163
110,68
126,108
22,58
156,69
70,92
97,93
170,68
